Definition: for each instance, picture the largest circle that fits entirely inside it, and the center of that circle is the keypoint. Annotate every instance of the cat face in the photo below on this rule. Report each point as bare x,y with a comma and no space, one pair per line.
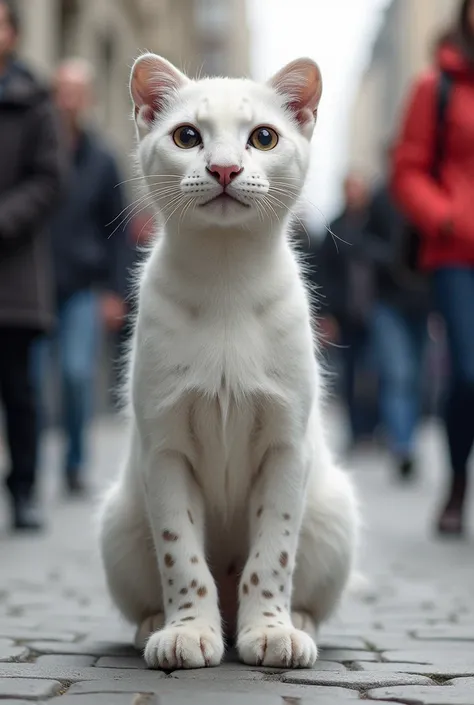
224,152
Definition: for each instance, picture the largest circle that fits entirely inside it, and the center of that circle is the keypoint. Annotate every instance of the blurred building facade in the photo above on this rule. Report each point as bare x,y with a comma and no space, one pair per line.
405,44
207,36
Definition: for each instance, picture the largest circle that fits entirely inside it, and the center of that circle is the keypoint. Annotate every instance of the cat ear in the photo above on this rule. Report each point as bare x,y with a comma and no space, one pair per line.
152,82
301,85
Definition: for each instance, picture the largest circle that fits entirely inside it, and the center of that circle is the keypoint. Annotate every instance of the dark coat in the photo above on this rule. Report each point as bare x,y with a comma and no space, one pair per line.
394,285
344,272
30,180
90,243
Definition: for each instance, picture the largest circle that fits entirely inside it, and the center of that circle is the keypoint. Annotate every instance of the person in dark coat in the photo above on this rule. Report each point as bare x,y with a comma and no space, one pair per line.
30,179
88,244
346,298
399,326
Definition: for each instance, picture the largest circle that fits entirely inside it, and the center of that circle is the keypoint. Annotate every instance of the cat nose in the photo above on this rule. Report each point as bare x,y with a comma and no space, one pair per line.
224,174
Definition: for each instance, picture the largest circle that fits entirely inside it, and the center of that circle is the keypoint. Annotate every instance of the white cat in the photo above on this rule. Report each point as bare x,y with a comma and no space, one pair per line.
229,513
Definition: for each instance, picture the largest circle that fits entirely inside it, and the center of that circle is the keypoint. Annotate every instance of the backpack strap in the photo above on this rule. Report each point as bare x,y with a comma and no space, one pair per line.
444,89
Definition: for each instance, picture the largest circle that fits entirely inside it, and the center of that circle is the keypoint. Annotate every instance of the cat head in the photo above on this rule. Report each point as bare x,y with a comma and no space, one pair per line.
224,152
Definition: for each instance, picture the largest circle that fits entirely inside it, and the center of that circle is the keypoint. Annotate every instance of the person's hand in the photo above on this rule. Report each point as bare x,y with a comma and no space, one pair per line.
329,331
113,311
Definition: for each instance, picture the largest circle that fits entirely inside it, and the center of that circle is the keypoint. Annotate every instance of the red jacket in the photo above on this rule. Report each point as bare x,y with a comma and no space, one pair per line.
443,212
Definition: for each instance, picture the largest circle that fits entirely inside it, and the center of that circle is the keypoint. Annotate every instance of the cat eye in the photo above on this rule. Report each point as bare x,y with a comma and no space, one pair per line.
186,137
264,138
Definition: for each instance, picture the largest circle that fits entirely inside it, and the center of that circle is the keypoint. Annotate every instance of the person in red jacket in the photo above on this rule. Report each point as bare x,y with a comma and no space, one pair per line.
442,209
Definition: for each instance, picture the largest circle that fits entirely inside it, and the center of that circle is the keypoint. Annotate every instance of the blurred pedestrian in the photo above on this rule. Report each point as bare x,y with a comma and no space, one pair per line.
439,201
88,256
399,324
29,189
345,275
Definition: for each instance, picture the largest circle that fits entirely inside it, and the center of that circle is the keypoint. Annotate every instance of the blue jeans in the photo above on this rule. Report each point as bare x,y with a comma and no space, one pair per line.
454,291
76,339
399,342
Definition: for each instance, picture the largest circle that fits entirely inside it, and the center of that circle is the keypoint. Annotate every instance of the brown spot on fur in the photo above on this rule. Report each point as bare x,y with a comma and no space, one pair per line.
170,536
282,623
286,517
169,560
268,614
254,579
194,559
170,601
287,533
183,591
260,512
257,555
190,517
170,582
186,606
282,588
275,574
283,559
279,609
194,584
188,619
211,629
245,589
267,594
270,626
202,592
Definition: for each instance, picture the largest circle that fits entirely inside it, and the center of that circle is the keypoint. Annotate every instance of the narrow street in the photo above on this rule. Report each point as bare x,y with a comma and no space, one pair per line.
408,637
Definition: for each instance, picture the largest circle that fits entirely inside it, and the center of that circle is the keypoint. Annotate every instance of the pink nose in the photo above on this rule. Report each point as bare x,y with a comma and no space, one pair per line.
224,174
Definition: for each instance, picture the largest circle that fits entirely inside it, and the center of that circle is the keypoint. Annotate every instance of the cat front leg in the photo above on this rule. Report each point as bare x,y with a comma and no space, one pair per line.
191,636
266,635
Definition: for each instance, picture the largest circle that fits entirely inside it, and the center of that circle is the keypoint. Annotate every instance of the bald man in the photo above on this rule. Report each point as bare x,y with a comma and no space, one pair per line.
89,260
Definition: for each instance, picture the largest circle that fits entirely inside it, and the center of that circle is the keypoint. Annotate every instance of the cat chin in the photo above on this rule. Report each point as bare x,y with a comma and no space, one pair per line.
224,214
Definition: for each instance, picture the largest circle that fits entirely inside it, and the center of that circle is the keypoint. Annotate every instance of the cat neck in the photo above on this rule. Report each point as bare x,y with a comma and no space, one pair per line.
214,252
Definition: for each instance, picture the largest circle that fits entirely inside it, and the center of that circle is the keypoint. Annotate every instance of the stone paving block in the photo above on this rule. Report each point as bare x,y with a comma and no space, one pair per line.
463,683
434,695
342,655
74,675
354,679
108,699
30,689
218,675
454,632
26,635
446,670
121,662
57,660
191,688
429,655
341,642
9,652
87,648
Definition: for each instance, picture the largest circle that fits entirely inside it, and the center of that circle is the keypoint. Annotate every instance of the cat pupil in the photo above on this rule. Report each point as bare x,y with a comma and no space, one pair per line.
187,135
264,137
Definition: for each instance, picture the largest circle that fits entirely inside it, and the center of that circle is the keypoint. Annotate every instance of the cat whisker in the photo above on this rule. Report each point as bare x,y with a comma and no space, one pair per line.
140,205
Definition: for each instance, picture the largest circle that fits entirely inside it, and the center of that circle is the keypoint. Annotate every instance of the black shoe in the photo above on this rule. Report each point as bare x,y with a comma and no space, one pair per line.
451,519
26,515
75,486
406,469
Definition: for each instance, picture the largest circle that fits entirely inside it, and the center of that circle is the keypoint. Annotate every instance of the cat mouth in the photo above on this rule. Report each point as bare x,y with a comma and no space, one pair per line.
225,197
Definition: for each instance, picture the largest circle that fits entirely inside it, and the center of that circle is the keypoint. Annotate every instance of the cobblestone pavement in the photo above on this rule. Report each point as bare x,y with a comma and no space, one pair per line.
408,637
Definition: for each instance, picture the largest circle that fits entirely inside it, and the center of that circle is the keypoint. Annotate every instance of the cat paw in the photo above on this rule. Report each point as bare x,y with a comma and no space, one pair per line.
279,647
180,646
